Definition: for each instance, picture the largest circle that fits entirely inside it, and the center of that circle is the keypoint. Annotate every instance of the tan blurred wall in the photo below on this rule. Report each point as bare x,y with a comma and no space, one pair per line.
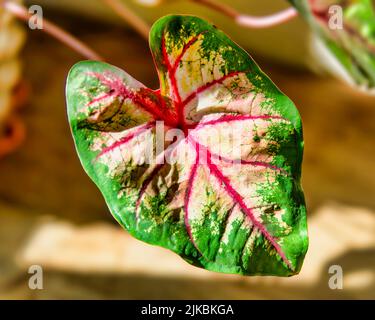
288,43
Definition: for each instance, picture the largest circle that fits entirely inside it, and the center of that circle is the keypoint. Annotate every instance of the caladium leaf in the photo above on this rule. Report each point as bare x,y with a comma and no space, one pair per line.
219,181
347,30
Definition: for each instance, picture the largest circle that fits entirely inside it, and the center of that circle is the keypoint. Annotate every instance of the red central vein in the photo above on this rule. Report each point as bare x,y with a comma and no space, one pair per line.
141,98
126,139
235,196
185,49
209,85
100,98
144,98
238,117
172,69
172,76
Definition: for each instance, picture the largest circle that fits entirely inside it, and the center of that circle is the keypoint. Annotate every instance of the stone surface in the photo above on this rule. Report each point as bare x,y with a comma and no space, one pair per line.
99,260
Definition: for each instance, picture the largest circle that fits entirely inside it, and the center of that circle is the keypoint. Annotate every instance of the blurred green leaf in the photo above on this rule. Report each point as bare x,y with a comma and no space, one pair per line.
352,43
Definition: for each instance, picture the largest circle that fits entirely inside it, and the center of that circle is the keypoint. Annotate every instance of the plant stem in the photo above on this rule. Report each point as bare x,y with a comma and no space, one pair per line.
129,16
217,6
250,21
22,13
267,21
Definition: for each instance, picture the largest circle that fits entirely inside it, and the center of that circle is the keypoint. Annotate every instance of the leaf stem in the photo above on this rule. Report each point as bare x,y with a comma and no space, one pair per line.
129,16
55,31
267,21
251,21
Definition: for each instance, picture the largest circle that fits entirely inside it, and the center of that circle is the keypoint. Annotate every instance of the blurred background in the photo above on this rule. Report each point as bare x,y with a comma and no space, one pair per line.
52,215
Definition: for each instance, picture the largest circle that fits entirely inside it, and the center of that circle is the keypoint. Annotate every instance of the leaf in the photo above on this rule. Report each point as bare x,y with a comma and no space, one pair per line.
219,182
353,43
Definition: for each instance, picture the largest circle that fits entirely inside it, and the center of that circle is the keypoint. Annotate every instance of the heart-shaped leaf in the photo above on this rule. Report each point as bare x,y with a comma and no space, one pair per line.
209,165
347,30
